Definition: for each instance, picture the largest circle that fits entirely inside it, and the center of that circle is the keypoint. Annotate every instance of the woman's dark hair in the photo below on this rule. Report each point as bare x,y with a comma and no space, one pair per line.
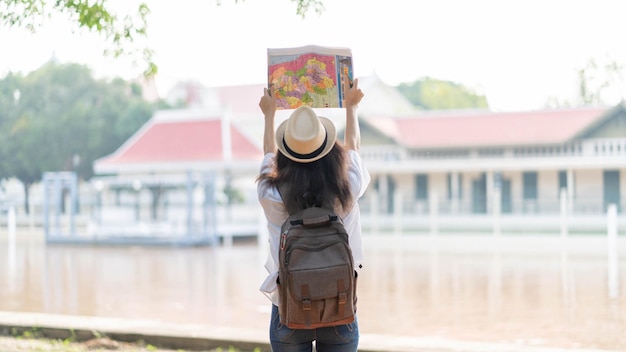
321,182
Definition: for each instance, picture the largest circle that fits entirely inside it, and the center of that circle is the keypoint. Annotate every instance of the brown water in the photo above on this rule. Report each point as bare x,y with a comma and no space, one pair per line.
409,287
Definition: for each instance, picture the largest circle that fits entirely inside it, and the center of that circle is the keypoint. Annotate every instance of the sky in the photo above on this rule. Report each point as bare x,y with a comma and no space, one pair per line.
517,53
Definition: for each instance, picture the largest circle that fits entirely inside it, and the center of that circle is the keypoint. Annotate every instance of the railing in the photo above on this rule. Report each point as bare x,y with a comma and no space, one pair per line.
434,215
588,147
580,216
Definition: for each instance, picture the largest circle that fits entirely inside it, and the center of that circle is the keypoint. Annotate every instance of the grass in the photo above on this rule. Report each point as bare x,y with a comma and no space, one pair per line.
34,340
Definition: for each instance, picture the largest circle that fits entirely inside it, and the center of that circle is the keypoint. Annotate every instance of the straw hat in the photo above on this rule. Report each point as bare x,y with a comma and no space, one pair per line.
305,137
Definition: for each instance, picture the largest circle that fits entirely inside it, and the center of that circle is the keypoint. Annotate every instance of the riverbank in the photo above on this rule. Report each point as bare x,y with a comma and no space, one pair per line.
62,333
102,344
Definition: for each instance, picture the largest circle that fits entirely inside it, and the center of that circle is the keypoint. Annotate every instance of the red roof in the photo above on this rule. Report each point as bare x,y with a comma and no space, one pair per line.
182,141
471,129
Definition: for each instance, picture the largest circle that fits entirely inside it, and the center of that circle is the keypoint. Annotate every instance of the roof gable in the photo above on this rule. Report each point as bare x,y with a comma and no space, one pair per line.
611,125
370,135
191,139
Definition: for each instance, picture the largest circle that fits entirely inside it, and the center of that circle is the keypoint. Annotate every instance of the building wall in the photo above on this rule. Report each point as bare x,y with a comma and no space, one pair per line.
548,184
438,186
588,191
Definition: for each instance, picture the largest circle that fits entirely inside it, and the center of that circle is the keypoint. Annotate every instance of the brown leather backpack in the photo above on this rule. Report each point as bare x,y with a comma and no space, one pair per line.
317,280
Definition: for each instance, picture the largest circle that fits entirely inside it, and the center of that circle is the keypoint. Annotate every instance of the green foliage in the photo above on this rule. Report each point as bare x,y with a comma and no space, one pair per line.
9,93
60,111
233,195
595,80
120,31
433,94
230,349
305,6
599,83
98,334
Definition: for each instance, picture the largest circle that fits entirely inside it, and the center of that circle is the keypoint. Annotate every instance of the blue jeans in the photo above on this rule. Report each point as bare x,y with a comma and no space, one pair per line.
341,338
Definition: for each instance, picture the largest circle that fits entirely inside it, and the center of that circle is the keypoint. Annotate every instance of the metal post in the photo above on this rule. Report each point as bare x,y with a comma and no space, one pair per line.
374,212
397,212
11,226
434,214
137,187
570,190
491,183
497,211
210,211
454,197
613,273
189,204
564,212
58,199
73,180
46,206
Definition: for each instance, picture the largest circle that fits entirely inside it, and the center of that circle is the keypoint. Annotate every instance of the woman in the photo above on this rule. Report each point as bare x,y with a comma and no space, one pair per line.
305,159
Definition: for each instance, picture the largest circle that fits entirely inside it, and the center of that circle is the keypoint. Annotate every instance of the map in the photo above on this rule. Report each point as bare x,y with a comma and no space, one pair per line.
310,75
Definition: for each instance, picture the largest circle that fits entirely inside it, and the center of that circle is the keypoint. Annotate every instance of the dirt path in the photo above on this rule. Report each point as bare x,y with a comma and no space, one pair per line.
11,344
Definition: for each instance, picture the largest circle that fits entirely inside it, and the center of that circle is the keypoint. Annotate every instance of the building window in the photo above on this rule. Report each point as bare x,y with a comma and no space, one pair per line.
530,185
421,187
562,181
611,184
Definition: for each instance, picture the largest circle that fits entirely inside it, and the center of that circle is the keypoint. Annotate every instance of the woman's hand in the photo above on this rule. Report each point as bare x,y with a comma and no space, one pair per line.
353,95
267,103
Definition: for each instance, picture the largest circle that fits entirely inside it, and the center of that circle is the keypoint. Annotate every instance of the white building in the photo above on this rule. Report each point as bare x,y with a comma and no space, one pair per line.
432,171
520,166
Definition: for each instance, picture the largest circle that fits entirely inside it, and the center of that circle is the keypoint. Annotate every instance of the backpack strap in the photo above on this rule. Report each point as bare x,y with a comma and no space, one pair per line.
343,298
315,222
306,303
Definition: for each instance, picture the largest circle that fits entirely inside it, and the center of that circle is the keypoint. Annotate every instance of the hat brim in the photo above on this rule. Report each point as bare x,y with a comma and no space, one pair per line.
331,138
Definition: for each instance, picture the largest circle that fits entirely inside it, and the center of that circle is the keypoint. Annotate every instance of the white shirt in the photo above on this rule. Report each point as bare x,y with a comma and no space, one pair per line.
276,214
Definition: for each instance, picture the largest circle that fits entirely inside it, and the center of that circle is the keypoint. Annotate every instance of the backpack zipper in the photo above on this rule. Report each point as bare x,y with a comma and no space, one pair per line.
283,241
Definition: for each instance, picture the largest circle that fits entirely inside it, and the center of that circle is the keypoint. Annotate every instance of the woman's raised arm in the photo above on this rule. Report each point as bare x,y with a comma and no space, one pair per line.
268,107
353,96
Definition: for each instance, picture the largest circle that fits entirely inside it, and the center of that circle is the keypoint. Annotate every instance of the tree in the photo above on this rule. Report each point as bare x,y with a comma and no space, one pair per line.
596,82
9,96
432,94
59,112
121,31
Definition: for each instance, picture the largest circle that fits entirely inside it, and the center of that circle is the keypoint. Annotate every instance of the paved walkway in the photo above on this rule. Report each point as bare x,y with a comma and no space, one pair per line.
186,336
